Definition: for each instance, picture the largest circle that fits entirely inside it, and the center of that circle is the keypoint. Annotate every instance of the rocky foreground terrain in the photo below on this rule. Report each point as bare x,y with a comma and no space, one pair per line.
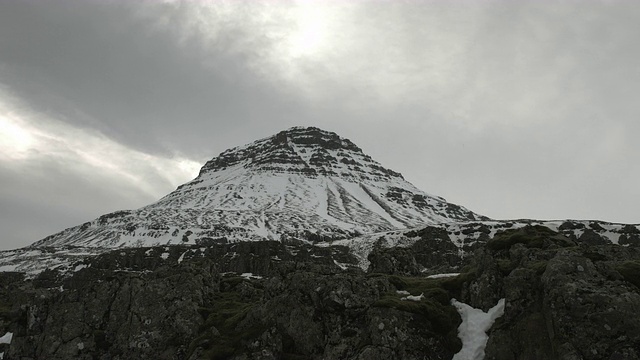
565,299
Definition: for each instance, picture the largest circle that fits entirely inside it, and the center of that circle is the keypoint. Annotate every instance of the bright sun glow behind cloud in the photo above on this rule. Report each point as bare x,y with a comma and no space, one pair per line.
15,141
28,137
276,38
311,32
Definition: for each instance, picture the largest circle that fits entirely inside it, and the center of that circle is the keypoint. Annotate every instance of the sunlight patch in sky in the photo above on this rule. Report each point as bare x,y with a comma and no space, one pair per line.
312,29
27,136
15,141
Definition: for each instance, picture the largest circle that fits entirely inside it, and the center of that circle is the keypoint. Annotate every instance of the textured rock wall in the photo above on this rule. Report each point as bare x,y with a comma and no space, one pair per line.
563,300
270,300
296,304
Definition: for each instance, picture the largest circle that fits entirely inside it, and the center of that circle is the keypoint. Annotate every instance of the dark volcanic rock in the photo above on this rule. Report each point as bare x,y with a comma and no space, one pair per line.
434,253
562,301
299,302
273,300
277,153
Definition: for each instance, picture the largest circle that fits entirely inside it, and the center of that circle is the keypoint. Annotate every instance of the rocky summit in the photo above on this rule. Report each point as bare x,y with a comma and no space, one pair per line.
300,246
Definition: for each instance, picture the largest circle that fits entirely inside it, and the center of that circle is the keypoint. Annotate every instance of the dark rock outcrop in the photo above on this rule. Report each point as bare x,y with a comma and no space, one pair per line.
259,300
563,301
433,253
271,300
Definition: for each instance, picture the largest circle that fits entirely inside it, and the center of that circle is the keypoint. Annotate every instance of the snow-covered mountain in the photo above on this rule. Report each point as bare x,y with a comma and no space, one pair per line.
302,183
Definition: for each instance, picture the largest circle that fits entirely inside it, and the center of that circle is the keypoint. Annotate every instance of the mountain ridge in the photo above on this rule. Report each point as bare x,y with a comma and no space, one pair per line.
302,183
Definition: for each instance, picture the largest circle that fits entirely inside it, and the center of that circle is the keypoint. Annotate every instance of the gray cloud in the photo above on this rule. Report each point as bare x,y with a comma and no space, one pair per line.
125,77
513,109
41,201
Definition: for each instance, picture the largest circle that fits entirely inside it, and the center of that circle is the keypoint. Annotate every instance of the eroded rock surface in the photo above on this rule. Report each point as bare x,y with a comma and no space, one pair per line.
261,300
565,299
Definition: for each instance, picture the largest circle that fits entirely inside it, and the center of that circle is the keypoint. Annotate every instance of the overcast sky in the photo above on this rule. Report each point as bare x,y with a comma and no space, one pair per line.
514,109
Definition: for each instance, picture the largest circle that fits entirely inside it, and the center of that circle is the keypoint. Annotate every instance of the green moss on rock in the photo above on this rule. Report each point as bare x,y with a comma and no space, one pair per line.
442,318
221,334
535,236
505,266
630,270
5,311
538,266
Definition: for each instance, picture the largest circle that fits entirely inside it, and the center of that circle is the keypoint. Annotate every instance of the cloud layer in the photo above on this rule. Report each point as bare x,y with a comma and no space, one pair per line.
54,173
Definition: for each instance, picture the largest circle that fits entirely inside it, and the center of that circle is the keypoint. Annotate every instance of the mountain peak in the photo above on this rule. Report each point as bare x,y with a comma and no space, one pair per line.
301,183
302,150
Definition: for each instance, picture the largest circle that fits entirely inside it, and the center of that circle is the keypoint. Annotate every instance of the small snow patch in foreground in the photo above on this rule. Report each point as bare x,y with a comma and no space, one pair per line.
403,292
6,339
181,258
473,330
413,298
8,268
164,256
438,276
80,267
250,276
340,265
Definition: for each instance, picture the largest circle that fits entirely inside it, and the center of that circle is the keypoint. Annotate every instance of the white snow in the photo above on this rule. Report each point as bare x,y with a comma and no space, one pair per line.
340,265
413,297
612,236
181,258
362,246
80,267
303,200
361,196
250,276
6,338
472,331
8,268
438,276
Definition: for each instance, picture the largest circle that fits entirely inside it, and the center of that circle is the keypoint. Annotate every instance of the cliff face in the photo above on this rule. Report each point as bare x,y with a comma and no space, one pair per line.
261,300
565,299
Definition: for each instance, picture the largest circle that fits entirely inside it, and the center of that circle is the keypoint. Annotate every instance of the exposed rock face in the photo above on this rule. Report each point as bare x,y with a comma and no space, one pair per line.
434,252
308,151
563,301
299,302
271,300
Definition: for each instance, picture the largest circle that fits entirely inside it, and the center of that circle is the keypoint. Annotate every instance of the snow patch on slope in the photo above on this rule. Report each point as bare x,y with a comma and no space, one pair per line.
474,327
6,338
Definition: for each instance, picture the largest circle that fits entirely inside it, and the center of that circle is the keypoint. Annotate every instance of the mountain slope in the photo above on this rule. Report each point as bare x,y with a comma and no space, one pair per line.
302,183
